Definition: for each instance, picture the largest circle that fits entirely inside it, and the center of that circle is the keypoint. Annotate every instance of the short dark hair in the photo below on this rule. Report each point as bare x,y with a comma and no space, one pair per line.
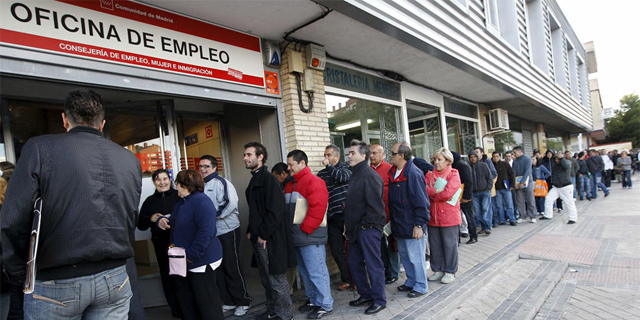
497,152
84,107
212,159
508,152
594,150
156,173
191,180
481,149
363,148
517,148
405,150
334,149
260,150
298,155
581,154
279,168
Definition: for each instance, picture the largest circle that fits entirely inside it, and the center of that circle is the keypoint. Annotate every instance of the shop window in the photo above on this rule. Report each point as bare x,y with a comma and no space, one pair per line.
30,119
507,140
460,108
462,135
370,121
425,134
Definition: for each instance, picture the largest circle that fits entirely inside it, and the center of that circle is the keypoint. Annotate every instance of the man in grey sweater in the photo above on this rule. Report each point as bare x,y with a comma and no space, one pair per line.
525,200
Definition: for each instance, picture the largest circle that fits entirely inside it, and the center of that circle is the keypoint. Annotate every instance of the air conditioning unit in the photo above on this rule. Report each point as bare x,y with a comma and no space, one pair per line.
498,120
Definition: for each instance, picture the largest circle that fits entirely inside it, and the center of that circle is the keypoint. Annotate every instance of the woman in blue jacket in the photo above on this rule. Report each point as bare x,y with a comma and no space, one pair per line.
193,227
539,172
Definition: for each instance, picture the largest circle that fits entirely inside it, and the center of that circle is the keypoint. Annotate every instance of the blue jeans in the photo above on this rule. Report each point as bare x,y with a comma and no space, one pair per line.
585,186
103,295
575,190
481,206
504,203
626,179
312,266
596,181
412,253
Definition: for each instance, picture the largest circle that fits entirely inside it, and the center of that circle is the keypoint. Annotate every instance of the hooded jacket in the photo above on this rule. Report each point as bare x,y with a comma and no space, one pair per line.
308,187
466,178
408,202
482,180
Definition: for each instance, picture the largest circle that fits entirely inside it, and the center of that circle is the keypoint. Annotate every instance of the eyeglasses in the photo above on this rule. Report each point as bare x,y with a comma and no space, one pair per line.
202,166
394,153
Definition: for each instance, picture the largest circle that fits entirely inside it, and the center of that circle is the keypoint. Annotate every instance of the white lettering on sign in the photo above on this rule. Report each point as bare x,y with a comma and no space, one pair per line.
132,33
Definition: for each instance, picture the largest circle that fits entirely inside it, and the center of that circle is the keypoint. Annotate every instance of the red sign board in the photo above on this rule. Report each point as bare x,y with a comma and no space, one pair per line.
271,82
133,33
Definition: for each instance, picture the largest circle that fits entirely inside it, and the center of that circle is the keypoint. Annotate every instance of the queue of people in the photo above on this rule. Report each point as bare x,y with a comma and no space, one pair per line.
372,214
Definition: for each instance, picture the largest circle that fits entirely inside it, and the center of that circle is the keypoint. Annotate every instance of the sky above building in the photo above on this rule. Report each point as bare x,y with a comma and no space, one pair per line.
614,27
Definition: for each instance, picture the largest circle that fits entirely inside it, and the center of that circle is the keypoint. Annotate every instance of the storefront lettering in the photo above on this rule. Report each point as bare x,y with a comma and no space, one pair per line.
343,78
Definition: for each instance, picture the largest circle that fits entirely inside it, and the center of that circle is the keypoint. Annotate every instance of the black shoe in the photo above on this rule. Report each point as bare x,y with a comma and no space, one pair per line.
318,313
606,195
513,223
360,302
307,306
544,218
374,308
487,232
390,280
267,316
502,223
588,198
472,241
581,198
414,294
571,222
404,288
464,235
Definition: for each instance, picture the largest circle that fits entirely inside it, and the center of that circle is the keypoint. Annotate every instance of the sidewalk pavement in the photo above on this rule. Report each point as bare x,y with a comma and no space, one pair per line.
546,270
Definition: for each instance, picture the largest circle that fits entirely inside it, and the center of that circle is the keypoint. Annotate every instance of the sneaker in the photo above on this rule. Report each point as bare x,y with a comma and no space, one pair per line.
448,278
544,218
487,232
533,220
226,308
519,221
401,268
268,316
571,222
481,232
241,311
436,276
464,235
344,286
318,313
307,306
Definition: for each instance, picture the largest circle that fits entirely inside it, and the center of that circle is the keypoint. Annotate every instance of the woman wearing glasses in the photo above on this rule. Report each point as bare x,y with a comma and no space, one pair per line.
155,206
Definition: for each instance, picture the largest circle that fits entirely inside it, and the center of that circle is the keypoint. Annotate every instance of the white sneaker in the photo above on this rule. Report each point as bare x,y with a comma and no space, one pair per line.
519,221
448,278
226,308
428,265
533,220
401,268
436,276
241,311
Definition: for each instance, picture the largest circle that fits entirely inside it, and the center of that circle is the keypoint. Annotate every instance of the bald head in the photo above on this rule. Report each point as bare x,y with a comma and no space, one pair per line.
377,154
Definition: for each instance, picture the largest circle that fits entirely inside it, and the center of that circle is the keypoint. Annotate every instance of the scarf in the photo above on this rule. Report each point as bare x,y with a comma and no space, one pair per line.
435,174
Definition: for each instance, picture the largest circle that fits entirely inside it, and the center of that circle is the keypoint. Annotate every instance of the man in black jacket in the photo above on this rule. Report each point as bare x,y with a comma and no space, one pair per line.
562,188
596,165
269,232
482,184
90,189
504,185
466,201
364,219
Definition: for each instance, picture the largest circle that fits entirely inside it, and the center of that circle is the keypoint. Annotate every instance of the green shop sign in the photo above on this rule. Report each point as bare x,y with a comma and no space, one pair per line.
347,79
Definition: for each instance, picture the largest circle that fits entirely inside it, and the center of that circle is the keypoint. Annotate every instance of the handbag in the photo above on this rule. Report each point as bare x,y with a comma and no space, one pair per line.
541,189
177,261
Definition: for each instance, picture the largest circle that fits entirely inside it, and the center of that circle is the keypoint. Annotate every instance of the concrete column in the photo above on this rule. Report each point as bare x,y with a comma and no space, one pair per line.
308,132
541,138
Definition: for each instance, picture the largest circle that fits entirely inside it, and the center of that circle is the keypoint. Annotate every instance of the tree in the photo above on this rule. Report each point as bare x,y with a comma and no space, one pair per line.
625,125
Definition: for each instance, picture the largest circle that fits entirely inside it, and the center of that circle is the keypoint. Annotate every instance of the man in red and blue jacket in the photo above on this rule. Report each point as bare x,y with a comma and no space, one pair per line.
409,213
309,236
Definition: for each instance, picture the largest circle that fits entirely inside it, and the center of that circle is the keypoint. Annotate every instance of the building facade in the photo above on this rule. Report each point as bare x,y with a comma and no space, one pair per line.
187,78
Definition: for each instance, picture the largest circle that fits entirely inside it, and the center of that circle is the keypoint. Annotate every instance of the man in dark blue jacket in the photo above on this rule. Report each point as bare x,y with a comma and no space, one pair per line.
409,213
364,219
88,218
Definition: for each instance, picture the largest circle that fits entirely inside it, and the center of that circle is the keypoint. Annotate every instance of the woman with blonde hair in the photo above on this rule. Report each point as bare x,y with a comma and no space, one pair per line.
443,189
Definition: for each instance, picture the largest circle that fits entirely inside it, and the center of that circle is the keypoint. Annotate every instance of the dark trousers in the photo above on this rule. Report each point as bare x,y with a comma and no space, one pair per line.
276,286
606,176
443,242
336,240
387,246
471,221
366,266
198,295
136,310
168,283
231,282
